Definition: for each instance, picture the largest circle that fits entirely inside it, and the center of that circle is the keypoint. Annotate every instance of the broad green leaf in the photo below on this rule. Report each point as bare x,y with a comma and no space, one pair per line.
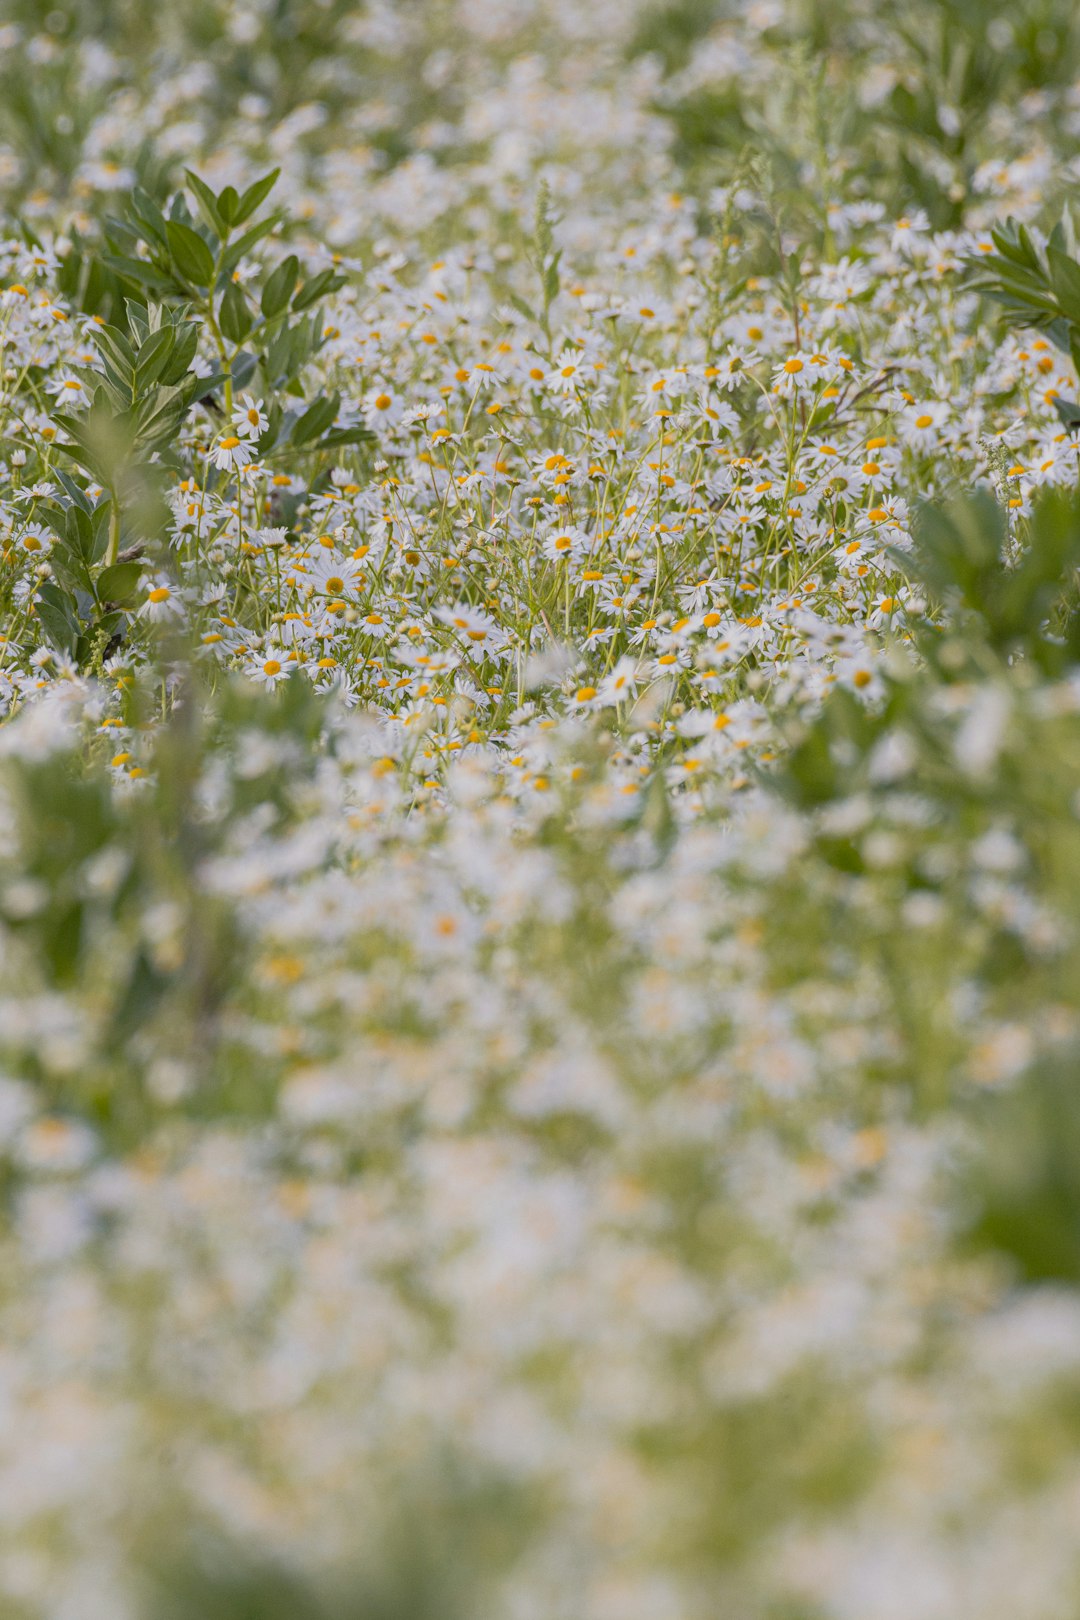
346,435
179,362
228,202
255,195
99,522
115,346
152,357
1069,412
207,204
120,393
315,420
72,489
138,319
234,316
280,286
190,254
140,271
118,582
149,215
243,368
162,416
245,243
1065,280
79,533
56,610
326,281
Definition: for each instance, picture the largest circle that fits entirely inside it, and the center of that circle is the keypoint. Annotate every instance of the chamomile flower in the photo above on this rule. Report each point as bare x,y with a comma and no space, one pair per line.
250,420
161,602
232,452
332,575
567,545
470,624
269,668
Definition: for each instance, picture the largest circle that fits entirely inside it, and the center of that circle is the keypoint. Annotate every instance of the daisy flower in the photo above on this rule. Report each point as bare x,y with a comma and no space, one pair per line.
249,418
232,452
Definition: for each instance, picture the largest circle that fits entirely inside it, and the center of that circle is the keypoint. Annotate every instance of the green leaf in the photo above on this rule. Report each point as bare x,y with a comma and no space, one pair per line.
138,319
280,287
118,582
114,346
289,351
326,281
207,204
1059,334
228,202
243,368
275,417
152,357
255,195
315,420
1065,280
56,610
139,271
1010,248
56,518
234,316
94,465
120,393
79,533
190,254
521,306
187,341
1024,284
72,489
245,243
161,417
71,570
73,425
551,280
121,233
149,216
99,522
346,435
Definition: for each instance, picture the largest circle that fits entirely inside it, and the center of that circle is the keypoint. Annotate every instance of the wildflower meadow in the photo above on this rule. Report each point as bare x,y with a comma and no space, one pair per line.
539,810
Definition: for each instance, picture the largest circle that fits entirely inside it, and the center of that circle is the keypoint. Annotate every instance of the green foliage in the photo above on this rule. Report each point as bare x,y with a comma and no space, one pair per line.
1036,283
1014,601
545,259
1022,1191
270,333
177,284
444,1537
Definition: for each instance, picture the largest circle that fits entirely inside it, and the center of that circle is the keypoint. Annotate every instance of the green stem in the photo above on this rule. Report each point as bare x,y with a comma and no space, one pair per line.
219,343
113,548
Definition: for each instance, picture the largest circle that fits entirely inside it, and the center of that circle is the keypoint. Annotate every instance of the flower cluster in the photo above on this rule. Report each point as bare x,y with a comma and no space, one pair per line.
539,767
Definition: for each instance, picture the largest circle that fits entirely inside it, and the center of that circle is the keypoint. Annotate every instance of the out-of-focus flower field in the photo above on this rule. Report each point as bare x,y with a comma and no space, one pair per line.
539,794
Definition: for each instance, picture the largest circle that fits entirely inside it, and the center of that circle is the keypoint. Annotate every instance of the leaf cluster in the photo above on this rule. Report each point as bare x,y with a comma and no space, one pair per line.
1037,284
1023,607
269,323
